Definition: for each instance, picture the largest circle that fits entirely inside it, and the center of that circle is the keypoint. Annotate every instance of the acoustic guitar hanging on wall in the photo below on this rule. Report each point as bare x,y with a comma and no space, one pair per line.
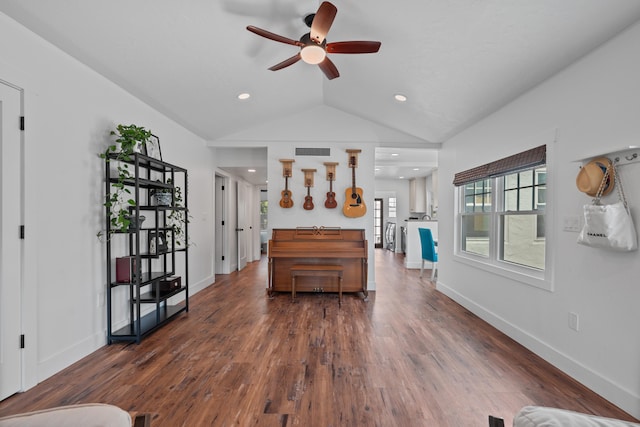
331,203
354,206
308,182
286,201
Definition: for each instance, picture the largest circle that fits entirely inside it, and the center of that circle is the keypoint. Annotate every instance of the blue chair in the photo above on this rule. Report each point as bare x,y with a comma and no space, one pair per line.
428,251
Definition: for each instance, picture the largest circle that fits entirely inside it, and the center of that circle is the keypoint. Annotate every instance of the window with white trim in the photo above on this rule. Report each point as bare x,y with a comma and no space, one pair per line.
501,212
392,207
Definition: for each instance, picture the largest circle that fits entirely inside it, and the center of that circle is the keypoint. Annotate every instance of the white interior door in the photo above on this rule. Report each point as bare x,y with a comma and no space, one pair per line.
10,243
242,228
220,226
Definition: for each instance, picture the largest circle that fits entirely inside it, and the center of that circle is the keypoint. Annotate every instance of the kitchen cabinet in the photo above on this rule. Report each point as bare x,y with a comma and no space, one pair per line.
418,195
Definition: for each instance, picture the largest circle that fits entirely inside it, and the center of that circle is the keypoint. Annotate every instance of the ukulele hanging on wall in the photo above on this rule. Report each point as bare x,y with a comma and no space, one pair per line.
331,203
286,201
354,206
308,182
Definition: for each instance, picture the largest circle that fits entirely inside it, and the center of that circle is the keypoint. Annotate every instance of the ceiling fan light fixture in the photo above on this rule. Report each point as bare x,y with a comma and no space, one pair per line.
313,54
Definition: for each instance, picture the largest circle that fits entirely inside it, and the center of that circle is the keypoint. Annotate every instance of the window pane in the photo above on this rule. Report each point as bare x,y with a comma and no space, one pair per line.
540,227
392,207
526,199
523,240
487,202
511,200
475,234
541,198
479,189
526,178
477,197
541,176
469,189
511,181
264,210
469,203
479,203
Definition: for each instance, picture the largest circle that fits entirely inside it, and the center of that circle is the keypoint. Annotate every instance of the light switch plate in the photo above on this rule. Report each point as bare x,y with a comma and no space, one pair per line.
571,223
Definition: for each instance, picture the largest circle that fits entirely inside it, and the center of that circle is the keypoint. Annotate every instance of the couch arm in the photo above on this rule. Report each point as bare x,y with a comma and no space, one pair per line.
538,416
86,415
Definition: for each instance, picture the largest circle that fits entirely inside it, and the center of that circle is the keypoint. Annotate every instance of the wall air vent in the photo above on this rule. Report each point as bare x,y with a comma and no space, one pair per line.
313,151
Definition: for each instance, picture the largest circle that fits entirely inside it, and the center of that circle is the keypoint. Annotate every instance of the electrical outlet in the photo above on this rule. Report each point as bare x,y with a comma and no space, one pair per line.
100,299
574,321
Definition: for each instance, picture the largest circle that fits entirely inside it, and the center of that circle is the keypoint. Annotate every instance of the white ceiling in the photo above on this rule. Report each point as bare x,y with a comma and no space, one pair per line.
455,60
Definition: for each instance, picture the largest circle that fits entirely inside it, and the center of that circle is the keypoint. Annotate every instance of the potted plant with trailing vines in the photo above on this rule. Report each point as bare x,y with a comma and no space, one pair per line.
178,219
129,140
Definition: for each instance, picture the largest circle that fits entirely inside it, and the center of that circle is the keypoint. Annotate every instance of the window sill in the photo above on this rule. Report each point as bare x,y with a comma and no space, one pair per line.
533,278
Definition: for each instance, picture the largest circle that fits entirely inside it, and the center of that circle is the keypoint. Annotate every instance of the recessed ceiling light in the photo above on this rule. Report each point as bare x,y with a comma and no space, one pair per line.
401,177
251,170
416,169
399,97
395,154
244,96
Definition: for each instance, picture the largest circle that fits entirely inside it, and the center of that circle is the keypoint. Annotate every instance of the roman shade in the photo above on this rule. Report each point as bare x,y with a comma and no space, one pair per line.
524,160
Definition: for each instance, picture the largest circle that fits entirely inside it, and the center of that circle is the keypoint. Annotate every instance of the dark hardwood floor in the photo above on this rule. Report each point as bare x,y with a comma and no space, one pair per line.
408,357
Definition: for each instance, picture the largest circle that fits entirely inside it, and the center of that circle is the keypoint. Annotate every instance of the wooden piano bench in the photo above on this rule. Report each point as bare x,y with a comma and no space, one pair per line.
315,271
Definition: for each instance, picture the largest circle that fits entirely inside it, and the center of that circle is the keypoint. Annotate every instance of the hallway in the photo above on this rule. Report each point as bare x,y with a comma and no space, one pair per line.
407,357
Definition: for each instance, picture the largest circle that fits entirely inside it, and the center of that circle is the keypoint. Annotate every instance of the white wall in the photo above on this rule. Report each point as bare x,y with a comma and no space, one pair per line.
594,105
69,112
301,129
297,216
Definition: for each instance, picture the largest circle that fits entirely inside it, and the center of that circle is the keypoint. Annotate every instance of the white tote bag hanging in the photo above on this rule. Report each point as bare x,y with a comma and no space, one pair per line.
609,226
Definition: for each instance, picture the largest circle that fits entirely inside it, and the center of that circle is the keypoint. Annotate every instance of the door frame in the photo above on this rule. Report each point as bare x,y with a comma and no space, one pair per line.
15,242
222,224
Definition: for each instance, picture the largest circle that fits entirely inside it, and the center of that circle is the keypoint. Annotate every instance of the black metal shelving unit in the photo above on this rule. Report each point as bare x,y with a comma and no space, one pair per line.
149,307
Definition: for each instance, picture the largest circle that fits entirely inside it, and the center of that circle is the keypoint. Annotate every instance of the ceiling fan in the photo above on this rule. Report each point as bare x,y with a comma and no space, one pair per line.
313,45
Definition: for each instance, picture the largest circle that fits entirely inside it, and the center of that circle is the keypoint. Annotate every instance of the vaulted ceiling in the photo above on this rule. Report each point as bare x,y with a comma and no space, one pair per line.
456,61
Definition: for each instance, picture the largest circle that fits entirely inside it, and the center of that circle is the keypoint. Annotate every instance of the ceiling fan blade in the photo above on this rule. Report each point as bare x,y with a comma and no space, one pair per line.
329,69
295,58
322,21
353,47
273,36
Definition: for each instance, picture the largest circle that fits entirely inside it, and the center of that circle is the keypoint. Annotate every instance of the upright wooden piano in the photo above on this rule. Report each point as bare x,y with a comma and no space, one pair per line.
318,246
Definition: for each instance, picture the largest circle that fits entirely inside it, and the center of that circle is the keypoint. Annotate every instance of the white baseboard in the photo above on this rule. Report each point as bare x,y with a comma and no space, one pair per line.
61,360
611,391
416,264
203,284
65,358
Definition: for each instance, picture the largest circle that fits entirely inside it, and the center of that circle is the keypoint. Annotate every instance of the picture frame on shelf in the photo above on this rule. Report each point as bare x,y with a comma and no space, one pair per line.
138,148
158,242
152,148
